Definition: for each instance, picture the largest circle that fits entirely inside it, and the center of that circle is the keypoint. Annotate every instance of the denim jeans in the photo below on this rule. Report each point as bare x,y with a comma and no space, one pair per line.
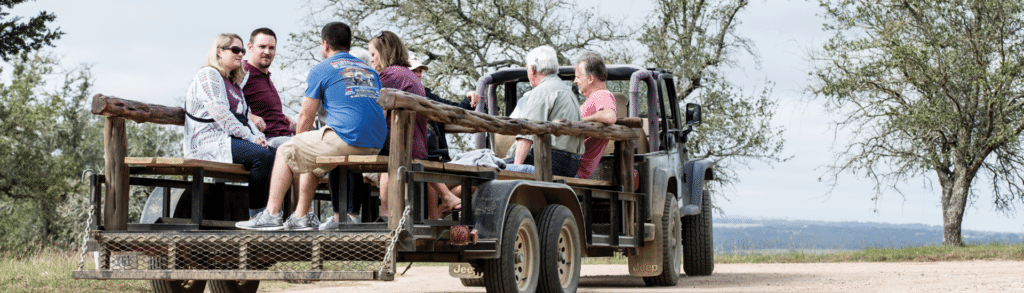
259,161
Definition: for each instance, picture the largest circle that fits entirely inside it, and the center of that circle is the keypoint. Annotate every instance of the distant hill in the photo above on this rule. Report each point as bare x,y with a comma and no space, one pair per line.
740,235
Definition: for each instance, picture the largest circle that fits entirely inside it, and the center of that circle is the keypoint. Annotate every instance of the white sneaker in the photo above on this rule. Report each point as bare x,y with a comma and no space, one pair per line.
303,223
263,221
330,224
354,219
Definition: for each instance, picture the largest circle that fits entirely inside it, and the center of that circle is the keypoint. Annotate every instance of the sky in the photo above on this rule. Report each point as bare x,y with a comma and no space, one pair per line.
149,51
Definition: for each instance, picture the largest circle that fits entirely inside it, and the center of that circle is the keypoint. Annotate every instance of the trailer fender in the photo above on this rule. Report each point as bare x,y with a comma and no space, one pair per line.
695,172
493,198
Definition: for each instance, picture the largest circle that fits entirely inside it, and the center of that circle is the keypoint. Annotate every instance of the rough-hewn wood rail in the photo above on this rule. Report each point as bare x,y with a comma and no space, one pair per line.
481,122
116,110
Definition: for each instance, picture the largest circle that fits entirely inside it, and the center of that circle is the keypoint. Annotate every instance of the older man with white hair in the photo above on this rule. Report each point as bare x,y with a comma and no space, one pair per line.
550,99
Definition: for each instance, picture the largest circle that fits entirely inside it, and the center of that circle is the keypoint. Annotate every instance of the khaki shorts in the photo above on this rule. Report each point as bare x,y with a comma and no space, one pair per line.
302,150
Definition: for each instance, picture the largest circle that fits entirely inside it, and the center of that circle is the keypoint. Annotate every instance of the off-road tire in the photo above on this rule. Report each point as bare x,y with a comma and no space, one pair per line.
222,286
478,282
670,242
517,268
560,250
698,246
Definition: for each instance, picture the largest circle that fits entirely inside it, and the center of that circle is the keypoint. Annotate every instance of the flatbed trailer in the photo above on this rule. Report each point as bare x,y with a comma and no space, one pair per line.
517,232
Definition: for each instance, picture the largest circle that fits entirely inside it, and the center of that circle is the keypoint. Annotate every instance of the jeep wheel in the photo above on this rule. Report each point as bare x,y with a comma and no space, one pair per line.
517,267
670,241
478,282
698,248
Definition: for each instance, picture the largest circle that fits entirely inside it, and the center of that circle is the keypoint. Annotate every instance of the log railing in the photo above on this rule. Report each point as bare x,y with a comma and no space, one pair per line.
116,110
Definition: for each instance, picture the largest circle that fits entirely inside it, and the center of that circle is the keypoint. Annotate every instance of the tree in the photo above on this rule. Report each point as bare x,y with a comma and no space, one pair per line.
48,138
928,86
22,37
696,40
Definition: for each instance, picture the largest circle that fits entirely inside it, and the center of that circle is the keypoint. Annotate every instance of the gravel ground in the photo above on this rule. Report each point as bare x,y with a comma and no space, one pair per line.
967,276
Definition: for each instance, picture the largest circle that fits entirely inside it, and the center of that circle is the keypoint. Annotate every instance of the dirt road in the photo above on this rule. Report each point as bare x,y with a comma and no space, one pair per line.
969,276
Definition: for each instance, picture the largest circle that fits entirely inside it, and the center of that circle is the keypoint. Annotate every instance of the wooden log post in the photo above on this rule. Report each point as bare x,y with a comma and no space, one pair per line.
542,158
400,155
115,148
137,111
623,165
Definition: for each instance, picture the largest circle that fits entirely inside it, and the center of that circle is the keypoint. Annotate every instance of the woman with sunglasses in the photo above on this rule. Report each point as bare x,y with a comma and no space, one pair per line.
389,57
217,127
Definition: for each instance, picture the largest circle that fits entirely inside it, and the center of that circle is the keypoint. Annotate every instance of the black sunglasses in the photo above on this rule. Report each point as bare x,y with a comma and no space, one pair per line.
234,49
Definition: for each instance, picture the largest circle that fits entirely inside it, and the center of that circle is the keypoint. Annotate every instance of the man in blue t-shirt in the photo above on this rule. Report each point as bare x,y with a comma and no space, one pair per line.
348,89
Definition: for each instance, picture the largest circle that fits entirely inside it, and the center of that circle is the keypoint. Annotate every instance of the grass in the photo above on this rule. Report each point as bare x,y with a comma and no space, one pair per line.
49,270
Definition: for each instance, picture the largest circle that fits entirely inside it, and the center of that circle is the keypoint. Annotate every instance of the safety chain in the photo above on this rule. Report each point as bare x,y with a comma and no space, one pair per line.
394,239
88,223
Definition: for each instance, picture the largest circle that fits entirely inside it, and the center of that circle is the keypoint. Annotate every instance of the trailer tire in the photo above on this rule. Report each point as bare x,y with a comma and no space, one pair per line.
517,268
670,242
229,286
478,282
698,248
559,250
177,286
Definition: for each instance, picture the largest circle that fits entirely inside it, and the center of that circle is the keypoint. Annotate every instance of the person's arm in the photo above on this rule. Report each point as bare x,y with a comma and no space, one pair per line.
606,116
307,114
258,121
522,150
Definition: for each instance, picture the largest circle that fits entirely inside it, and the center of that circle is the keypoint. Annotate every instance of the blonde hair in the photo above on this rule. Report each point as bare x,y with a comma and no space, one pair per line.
224,40
390,50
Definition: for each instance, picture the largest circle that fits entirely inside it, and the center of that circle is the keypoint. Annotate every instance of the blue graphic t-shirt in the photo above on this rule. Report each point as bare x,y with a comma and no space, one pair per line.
348,88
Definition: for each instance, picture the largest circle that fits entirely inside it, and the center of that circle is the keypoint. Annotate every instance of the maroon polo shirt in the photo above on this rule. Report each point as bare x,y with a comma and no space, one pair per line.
262,97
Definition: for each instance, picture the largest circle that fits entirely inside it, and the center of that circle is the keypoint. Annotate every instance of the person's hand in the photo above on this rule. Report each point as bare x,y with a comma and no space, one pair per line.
291,123
474,98
256,120
262,141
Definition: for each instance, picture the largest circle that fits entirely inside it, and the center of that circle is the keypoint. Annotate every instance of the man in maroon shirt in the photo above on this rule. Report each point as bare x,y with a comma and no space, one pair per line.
260,93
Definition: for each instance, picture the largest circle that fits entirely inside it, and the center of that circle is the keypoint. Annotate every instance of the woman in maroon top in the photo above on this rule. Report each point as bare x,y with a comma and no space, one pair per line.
389,57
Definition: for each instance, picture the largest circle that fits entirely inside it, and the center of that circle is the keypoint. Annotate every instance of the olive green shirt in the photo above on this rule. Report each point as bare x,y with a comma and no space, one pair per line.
553,99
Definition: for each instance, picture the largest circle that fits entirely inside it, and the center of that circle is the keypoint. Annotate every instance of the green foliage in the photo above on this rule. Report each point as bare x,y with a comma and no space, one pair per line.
696,40
47,139
23,37
928,86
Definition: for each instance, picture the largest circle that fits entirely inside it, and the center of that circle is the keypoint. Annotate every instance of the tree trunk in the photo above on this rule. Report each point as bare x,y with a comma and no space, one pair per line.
954,200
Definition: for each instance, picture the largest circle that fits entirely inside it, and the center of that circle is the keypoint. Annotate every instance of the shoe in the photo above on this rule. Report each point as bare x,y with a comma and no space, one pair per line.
330,224
354,219
263,221
303,223
313,219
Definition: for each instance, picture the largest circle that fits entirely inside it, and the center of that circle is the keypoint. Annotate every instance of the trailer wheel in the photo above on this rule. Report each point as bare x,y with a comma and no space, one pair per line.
560,250
175,286
220,286
478,282
517,267
670,241
698,248
172,286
